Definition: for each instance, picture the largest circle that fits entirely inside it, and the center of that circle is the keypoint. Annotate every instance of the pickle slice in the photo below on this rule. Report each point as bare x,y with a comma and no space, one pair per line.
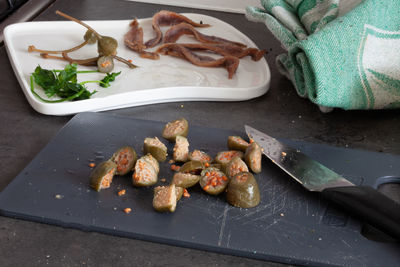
237,143
193,167
164,199
181,149
144,174
235,166
125,158
199,155
156,148
185,180
253,157
213,181
102,175
243,191
174,128
224,157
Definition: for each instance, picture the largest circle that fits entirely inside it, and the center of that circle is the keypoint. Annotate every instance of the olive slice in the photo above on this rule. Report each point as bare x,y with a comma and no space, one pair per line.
199,155
237,143
253,157
102,175
174,128
213,181
193,167
156,148
164,199
235,166
243,191
185,180
125,158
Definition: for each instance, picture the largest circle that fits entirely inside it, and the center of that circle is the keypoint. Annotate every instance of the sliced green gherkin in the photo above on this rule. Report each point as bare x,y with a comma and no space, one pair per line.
243,191
156,148
235,166
179,192
193,167
174,128
102,175
237,143
199,155
153,162
224,157
213,181
164,199
144,173
125,158
181,149
185,180
253,157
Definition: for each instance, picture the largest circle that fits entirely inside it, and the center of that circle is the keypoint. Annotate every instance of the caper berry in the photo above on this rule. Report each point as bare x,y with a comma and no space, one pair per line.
105,64
90,37
107,46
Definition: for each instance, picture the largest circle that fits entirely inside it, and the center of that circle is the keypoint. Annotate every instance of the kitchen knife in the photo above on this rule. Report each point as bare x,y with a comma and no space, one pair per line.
365,202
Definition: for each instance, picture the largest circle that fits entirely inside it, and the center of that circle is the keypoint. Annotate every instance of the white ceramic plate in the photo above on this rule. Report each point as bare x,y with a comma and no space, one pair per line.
155,81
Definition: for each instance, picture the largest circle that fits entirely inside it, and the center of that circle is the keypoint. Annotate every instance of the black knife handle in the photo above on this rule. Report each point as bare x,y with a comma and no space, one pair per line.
369,206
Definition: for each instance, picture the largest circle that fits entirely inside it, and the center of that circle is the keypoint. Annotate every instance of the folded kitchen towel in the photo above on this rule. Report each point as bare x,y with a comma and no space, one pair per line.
337,59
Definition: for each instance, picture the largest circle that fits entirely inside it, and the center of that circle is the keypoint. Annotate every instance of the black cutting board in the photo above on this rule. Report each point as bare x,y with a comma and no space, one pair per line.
290,225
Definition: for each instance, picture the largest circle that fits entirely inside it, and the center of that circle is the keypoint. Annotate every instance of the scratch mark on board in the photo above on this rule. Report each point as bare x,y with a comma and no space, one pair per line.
221,231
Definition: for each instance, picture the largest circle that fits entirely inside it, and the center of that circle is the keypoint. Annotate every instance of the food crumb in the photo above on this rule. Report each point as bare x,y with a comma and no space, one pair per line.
282,214
163,180
181,106
122,192
92,164
175,167
186,193
59,196
283,154
127,210
171,161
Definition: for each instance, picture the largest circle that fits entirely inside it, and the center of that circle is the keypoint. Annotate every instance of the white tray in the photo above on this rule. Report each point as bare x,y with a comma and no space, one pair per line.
155,81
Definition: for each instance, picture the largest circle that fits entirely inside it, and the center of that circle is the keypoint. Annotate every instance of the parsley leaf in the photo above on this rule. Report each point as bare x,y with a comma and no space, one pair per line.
64,83
109,78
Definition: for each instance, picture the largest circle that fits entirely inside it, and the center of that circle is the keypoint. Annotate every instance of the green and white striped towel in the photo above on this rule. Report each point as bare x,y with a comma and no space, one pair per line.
336,57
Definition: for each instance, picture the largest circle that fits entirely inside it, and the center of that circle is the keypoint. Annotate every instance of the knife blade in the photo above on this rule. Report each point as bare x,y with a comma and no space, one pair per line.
365,202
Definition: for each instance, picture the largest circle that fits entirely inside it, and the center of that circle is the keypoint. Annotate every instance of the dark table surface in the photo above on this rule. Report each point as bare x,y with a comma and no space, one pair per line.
280,112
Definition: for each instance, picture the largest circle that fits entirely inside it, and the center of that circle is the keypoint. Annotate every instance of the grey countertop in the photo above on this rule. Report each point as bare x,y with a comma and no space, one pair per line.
280,112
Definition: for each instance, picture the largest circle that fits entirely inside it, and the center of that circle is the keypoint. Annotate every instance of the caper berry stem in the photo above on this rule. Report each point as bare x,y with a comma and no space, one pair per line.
32,48
78,21
130,65
84,62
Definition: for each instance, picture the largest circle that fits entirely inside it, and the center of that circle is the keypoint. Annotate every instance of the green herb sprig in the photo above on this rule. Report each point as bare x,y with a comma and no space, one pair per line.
64,83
